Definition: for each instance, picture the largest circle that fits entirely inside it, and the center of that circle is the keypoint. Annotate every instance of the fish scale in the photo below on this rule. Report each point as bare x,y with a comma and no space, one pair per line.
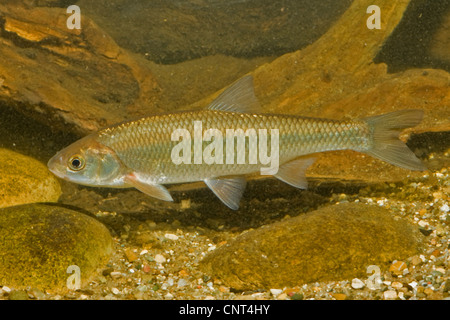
142,143
139,153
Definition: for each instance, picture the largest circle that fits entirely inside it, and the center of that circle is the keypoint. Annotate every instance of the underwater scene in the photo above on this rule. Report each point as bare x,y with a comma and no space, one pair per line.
224,150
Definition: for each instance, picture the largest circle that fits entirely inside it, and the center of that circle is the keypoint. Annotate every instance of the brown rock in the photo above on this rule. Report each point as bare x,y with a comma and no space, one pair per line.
78,80
397,267
334,243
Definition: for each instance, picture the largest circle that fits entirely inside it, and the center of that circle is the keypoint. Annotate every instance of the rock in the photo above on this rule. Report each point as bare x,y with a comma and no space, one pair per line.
397,267
390,295
131,255
357,283
39,242
159,258
334,243
18,295
340,296
86,68
25,180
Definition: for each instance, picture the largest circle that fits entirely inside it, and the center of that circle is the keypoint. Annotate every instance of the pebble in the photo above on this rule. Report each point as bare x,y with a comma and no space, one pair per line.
357,283
397,267
18,295
181,283
159,258
115,291
131,255
445,208
396,285
415,261
340,296
171,236
276,292
390,294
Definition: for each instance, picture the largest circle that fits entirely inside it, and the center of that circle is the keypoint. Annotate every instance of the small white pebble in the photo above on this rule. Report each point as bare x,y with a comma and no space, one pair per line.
423,223
168,296
357,283
143,252
276,292
171,236
390,294
444,208
6,289
159,258
115,291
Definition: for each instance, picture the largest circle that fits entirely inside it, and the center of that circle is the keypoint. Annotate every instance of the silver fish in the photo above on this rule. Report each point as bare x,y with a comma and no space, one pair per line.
152,151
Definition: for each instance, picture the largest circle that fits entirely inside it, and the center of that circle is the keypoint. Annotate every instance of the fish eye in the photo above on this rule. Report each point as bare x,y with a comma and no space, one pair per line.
76,163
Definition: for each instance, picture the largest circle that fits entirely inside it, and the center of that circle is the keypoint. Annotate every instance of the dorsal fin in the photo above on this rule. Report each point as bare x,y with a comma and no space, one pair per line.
239,97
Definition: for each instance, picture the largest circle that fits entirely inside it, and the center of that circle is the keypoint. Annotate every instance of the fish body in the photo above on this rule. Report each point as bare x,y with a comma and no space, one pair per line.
222,144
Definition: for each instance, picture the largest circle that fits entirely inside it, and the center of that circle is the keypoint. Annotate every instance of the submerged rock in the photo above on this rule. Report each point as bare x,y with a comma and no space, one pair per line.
25,180
334,243
39,242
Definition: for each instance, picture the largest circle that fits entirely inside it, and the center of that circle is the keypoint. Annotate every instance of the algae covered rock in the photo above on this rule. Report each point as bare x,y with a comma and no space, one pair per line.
334,243
25,180
39,242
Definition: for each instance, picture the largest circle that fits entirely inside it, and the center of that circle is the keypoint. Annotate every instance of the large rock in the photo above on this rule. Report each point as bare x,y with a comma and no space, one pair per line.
39,242
25,180
71,79
334,243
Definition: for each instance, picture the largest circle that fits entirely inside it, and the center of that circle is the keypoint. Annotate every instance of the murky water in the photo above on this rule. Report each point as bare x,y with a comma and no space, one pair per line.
130,59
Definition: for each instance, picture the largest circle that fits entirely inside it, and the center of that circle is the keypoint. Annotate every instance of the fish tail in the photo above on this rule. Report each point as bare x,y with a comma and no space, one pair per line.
385,142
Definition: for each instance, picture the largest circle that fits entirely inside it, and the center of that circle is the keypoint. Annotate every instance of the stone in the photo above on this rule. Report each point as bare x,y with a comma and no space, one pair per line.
330,244
87,68
397,267
357,283
159,258
131,255
390,295
39,242
25,180
18,295
340,296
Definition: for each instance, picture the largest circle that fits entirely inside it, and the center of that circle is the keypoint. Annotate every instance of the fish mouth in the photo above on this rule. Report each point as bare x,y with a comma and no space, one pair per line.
54,166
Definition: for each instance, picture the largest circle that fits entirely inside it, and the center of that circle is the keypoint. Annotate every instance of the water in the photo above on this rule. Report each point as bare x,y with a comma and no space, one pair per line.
137,57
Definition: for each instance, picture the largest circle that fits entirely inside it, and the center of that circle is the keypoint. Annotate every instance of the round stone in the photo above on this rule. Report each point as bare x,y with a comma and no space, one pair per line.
50,247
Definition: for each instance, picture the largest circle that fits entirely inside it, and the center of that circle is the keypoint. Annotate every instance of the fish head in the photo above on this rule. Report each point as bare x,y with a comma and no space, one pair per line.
89,163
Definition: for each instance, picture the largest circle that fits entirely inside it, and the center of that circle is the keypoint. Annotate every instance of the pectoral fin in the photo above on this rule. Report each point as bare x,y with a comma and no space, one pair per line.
293,172
152,189
229,190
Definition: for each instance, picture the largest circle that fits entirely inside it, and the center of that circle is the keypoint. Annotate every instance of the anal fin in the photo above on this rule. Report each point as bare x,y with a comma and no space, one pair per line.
152,189
293,172
228,190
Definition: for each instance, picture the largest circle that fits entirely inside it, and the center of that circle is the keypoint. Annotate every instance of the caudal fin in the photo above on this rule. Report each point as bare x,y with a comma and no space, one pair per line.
386,144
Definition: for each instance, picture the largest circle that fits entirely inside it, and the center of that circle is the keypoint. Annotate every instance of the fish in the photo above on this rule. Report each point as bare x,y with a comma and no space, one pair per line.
151,152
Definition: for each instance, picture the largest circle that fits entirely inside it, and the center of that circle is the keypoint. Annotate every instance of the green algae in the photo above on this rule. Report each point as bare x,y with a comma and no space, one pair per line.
39,242
25,180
